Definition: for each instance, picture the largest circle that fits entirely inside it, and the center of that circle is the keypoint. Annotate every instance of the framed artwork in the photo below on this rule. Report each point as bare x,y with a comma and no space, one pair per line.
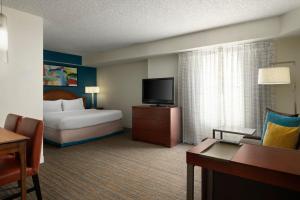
60,75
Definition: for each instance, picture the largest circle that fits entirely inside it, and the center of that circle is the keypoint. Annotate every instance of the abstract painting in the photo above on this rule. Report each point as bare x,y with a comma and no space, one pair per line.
60,75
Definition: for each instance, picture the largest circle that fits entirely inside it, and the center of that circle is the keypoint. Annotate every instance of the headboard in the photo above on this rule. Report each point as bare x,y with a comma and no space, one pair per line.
61,94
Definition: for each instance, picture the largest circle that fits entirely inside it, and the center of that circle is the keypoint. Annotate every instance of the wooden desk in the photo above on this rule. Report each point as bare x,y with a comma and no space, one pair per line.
270,166
11,142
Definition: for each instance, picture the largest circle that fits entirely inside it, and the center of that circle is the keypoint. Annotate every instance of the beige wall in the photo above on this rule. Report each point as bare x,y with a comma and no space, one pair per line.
164,66
121,87
288,49
21,79
121,84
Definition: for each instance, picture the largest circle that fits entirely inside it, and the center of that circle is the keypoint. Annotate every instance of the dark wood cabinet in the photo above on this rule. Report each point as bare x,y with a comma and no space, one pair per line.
157,125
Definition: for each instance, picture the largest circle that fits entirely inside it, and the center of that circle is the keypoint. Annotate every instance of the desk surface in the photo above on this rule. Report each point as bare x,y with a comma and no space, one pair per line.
7,136
220,150
277,159
275,166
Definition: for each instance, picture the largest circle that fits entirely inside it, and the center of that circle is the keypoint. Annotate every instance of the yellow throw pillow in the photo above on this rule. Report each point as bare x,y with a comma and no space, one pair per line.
281,136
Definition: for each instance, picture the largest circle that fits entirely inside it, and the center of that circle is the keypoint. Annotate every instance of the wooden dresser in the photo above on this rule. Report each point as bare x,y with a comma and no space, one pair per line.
157,125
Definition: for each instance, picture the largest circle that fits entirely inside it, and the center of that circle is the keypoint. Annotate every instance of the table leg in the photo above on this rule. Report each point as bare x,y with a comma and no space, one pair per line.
190,182
22,153
214,134
221,135
204,183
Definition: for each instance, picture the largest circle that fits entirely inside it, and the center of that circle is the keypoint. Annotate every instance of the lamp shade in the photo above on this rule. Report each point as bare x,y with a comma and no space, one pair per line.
3,33
274,76
92,89
3,38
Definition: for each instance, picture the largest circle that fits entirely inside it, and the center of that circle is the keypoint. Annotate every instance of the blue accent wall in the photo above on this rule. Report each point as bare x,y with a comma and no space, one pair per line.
87,76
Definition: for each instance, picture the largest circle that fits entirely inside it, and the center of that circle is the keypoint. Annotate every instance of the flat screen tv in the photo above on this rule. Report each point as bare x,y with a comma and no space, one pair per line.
158,91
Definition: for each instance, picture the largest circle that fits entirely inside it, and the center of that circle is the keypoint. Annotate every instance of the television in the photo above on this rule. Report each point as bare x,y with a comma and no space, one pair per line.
158,91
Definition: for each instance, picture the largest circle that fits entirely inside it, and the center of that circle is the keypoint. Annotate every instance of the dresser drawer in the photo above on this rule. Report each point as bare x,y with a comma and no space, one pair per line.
151,113
152,136
152,125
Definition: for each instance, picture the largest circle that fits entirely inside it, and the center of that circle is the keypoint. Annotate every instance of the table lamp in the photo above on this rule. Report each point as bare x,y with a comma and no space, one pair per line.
92,90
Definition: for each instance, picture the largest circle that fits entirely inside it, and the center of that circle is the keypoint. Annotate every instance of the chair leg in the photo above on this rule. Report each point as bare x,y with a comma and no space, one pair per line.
36,183
19,184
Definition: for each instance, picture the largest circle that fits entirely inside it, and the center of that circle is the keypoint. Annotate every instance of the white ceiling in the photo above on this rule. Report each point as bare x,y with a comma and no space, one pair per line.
89,26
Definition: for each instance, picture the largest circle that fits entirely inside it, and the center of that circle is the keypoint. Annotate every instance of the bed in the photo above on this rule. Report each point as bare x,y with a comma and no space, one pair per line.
76,126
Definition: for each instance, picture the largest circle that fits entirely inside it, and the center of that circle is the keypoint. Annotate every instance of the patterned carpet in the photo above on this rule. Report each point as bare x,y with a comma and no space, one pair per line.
113,168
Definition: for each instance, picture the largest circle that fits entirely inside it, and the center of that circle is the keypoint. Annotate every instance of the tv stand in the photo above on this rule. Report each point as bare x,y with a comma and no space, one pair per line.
157,124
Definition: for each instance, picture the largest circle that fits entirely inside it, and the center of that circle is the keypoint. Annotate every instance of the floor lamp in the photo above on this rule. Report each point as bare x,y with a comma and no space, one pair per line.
278,74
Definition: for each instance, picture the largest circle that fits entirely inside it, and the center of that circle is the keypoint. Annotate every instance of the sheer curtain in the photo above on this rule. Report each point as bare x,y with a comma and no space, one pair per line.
218,87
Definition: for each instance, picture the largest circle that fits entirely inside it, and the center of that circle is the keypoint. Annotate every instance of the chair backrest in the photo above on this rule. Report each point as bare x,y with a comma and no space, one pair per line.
12,121
33,129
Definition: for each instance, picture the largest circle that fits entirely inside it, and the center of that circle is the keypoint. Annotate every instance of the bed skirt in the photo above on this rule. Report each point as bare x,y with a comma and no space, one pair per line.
70,137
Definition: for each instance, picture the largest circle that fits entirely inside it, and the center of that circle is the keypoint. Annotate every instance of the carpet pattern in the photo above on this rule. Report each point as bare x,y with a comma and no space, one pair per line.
113,168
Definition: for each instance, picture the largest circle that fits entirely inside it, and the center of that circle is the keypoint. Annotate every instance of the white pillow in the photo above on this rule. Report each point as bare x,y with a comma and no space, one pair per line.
75,104
52,106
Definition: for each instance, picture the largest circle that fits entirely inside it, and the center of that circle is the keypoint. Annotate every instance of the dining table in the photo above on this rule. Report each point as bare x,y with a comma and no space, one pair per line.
10,143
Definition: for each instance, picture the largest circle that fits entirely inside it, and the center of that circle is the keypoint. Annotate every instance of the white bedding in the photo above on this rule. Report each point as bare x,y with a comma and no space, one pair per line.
80,118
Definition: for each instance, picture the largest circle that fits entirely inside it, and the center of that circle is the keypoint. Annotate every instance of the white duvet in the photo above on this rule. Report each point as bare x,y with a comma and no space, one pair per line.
79,118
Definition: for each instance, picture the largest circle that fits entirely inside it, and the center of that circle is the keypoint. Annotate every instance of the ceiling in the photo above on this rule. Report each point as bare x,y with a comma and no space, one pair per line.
89,26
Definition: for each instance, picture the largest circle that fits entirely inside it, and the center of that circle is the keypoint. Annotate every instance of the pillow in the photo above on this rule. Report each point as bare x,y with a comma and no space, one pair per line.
52,106
280,113
281,136
280,120
75,104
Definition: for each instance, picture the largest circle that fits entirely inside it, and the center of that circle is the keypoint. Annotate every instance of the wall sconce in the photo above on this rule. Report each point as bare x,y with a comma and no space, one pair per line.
3,37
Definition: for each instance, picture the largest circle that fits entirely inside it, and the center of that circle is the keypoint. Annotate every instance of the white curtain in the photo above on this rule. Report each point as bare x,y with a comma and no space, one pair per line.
218,87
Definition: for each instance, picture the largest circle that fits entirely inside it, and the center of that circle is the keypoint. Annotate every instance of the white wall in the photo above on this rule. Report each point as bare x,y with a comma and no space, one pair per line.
21,79
121,87
289,23
278,26
259,29
164,66
288,49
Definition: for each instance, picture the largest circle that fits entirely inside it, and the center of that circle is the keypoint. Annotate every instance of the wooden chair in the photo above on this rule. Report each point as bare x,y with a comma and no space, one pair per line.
10,124
12,121
9,168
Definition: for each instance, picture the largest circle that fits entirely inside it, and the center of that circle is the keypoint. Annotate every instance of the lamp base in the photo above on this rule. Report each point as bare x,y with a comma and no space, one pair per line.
93,101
